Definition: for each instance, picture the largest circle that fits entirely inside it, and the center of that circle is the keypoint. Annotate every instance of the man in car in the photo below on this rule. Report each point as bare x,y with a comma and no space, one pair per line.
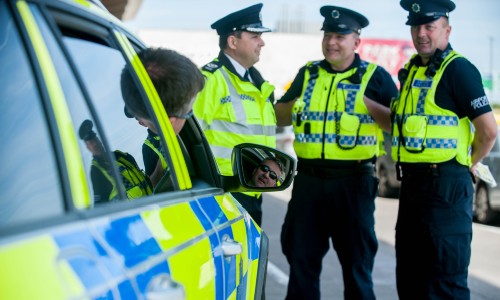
176,79
267,173
150,149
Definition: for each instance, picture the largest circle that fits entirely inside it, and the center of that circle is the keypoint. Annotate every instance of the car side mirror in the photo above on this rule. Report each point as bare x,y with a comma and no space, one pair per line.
260,168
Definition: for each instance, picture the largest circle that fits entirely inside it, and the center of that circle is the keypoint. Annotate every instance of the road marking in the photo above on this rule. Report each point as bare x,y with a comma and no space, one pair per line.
276,273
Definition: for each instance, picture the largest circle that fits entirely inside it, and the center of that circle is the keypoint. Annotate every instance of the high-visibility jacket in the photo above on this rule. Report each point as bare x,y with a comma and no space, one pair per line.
148,143
423,131
134,180
232,111
330,118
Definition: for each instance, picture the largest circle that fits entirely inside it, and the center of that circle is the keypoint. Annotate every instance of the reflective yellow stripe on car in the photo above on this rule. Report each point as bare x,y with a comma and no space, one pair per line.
73,160
165,125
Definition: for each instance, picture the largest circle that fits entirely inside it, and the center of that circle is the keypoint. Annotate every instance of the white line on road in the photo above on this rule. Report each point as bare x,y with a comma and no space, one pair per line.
276,273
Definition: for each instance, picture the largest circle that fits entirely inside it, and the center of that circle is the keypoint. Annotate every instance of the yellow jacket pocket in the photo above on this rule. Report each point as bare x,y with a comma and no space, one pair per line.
348,130
414,132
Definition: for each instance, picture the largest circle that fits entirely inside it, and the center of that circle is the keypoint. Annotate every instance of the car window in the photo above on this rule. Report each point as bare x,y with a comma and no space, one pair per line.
77,106
29,175
111,143
100,67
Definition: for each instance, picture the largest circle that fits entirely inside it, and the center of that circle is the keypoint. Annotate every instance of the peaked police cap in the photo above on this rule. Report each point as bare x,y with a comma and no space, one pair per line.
248,19
426,11
342,20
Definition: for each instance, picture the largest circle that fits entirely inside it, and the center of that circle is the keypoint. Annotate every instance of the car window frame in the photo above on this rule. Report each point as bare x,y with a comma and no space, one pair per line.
107,33
110,35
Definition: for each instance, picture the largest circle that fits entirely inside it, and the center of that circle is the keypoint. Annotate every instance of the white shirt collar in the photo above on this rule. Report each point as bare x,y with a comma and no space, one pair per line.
237,66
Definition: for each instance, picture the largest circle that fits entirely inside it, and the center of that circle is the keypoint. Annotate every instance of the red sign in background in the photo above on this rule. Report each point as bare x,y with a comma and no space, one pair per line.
389,54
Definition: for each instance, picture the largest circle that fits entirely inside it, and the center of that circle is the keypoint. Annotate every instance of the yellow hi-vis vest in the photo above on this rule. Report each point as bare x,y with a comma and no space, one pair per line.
160,156
330,118
422,131
231,111
134,180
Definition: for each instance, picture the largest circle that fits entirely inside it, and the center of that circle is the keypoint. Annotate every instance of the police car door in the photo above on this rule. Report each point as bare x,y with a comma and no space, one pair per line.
74,248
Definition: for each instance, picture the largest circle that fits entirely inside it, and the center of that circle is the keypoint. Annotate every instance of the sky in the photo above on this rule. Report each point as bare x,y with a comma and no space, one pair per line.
475,23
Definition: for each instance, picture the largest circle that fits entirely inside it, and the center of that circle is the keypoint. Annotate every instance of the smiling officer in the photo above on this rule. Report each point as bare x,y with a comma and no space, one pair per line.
338,106
236,105
442,127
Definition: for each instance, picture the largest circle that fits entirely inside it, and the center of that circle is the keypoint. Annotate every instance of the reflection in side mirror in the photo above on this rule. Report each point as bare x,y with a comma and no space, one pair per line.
263,168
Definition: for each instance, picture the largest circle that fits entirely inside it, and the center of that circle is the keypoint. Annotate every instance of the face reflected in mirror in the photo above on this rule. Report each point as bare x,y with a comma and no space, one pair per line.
262,168
267,173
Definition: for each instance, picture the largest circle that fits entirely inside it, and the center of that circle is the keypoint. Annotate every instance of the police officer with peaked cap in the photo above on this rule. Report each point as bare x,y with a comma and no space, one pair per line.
338,107
236,105
441,100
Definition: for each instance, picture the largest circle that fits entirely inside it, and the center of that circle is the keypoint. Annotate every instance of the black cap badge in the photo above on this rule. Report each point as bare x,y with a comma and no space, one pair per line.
335,14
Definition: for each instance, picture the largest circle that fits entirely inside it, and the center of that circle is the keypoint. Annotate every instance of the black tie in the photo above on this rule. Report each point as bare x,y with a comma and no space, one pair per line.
245,77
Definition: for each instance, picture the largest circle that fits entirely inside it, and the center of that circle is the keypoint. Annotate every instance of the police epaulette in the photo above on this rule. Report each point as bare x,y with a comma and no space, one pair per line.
313,69
212,66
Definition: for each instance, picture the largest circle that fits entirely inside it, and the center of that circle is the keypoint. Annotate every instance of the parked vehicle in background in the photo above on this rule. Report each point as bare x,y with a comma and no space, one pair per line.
186,239
487,198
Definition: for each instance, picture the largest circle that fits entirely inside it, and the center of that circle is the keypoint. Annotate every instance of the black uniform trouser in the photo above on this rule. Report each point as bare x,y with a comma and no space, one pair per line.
433,235
340,209
253,205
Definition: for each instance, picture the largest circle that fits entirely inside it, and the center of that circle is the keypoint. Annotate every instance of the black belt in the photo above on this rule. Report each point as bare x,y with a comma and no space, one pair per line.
429,170
365,168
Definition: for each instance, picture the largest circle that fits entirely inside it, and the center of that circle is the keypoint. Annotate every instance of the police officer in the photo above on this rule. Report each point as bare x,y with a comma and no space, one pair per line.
236,105
436,147
338,106
136,184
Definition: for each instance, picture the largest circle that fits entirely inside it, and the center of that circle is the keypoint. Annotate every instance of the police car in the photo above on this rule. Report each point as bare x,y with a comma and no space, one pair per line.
61,64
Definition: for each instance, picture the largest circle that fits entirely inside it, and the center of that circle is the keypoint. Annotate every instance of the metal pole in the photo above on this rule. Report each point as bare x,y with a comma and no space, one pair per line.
491,58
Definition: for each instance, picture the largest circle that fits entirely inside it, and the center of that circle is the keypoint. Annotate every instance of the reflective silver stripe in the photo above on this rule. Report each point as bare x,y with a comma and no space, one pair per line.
204,126
309,89
222,152
331,115
443,120
236,100
331,138
436,120
226,126
431,143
